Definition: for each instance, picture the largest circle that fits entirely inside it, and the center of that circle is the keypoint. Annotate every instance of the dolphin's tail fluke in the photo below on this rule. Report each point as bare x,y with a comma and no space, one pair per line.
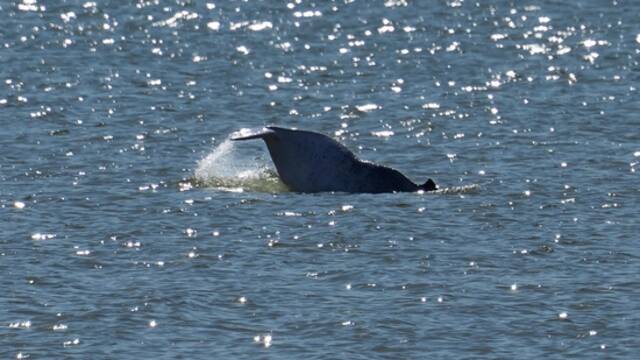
249,134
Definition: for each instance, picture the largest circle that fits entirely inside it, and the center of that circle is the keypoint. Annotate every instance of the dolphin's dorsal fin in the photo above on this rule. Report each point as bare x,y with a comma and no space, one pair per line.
429,185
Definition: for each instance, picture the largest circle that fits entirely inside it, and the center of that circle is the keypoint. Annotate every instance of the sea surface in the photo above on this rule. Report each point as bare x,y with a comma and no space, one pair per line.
132,228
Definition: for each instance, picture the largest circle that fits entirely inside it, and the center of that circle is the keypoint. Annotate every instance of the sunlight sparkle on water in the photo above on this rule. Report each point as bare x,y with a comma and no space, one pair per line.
39,236
431,105
563,315
367,107
73,342
383,133
60,327
20,325
265,340
259,26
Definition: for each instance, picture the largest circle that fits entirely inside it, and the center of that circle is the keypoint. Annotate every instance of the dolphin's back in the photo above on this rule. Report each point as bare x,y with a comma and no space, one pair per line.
382,179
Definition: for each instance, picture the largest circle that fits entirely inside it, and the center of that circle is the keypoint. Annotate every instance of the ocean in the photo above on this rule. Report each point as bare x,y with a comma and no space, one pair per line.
132,227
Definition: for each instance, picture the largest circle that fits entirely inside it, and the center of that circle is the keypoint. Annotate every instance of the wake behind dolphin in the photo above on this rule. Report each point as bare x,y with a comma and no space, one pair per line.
311,162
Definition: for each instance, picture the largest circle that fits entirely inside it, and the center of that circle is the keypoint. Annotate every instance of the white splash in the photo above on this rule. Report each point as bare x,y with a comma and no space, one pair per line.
229,168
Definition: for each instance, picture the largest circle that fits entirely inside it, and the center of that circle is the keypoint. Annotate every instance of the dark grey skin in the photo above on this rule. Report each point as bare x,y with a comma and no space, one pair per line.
310,162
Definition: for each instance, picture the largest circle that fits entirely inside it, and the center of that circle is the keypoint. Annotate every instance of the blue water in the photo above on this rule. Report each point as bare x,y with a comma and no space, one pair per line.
130,227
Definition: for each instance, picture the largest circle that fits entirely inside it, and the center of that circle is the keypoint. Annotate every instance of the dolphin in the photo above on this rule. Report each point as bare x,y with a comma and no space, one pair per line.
311,162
